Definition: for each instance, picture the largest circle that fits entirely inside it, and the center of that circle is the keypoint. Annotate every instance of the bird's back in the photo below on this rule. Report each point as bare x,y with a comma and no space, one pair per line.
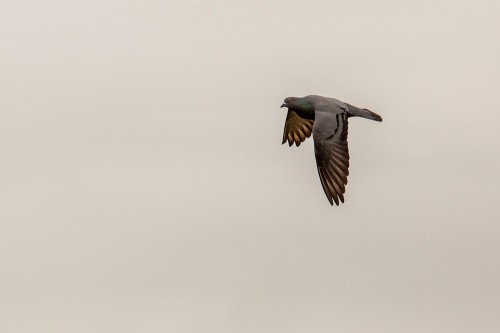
326,104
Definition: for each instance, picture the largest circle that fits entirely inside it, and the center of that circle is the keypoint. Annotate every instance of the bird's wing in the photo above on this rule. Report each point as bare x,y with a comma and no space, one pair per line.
332,153
297,129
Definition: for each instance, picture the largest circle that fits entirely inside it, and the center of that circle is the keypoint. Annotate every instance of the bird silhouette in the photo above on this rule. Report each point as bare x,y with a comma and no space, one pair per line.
326,119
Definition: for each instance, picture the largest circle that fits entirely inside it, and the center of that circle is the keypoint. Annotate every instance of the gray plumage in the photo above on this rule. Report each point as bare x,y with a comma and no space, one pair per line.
327,120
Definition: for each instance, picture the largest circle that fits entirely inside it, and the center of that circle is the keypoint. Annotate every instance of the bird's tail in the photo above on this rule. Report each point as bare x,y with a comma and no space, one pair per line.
365,113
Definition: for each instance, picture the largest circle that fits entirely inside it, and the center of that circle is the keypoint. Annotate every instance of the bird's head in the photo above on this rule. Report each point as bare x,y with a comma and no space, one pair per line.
300,105
288,101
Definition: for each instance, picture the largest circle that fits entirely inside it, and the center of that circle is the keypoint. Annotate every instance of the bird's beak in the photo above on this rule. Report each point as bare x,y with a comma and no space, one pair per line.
283,105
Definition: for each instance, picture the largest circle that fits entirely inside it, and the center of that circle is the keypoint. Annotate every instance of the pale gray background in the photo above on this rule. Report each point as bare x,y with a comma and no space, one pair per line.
144,187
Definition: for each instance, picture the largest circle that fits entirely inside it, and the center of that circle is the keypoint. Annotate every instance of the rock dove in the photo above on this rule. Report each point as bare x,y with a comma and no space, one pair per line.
326,118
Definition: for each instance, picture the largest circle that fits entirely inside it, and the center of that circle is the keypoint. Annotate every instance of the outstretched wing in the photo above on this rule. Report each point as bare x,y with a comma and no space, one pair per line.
297,129
332,153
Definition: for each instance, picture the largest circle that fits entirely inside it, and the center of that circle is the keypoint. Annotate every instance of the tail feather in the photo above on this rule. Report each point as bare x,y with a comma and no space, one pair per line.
364,113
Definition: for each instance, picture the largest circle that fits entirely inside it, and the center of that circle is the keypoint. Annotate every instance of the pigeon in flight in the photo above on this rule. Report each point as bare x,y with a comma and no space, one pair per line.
326,118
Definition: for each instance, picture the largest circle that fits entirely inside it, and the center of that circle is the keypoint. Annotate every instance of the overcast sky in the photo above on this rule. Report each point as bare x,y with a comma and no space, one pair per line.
144,187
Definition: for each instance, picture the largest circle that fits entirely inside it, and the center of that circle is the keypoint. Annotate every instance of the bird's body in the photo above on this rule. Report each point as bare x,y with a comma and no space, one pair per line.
326,119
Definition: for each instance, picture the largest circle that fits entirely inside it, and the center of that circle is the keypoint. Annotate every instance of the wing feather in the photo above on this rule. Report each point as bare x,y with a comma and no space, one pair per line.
332,154
297,129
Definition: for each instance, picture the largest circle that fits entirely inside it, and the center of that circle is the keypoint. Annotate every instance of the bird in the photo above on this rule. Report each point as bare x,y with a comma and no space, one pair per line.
327,120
